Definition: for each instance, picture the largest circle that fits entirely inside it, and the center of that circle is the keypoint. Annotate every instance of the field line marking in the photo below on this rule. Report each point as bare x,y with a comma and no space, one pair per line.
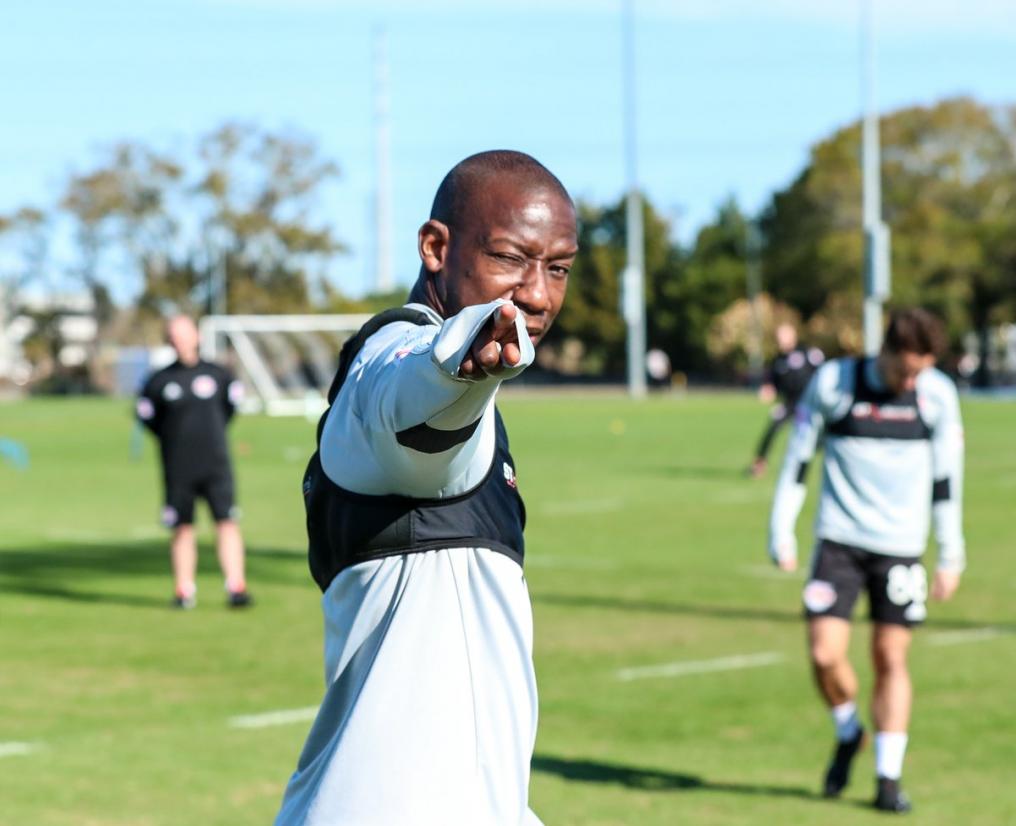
282,717
680,669
16,749
960,637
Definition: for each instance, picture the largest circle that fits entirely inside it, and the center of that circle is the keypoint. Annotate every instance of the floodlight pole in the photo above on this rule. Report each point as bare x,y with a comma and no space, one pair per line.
753,287
877,272
633,302
383,281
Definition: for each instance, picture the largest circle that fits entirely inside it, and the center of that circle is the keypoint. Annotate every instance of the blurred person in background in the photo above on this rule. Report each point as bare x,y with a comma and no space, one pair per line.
187,406
893,461
786,377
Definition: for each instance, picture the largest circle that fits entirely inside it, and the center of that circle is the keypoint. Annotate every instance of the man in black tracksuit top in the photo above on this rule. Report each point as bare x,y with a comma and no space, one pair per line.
788,376
187,405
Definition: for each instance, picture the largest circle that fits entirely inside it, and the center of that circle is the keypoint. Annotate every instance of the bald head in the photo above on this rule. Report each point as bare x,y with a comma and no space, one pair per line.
501,227
469,179
182,334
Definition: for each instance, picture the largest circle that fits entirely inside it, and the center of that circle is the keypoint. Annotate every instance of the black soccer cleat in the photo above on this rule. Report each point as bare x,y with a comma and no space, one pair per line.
239,599
891,798
838,773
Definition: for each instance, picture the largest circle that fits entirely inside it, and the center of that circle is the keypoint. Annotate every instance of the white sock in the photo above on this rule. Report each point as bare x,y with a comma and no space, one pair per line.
890,746
845,718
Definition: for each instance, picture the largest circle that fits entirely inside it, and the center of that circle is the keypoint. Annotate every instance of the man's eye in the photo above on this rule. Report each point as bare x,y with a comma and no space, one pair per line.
560,271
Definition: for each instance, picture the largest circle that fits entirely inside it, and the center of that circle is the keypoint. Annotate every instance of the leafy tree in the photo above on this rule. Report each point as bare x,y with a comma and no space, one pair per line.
949,197
234,212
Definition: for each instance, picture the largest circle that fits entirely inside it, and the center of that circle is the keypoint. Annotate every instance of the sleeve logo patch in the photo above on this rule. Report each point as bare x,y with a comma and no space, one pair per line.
819,596
204,387
146,410
509,476
172,391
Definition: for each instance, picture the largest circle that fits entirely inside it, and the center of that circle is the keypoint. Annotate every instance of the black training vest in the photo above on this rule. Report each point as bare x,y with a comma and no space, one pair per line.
880,414
344,528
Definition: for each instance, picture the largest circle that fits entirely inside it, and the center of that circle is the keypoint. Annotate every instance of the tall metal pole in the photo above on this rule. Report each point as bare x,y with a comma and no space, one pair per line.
753,287
383,280
633,302
876,233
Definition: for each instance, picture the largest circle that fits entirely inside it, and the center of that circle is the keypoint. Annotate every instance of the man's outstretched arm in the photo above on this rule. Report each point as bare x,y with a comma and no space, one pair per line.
423,397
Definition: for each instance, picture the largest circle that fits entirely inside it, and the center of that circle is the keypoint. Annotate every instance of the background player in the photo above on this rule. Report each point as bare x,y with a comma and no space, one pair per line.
893,452
187,405
415,523
786,377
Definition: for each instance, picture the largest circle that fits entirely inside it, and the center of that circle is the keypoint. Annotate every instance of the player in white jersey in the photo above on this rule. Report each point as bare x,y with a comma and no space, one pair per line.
893,442
415,523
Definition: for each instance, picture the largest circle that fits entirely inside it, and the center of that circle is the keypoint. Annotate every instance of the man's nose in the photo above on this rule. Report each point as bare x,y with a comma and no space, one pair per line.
532,294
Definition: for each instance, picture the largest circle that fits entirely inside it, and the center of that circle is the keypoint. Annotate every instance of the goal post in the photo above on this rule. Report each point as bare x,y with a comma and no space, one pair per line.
286,362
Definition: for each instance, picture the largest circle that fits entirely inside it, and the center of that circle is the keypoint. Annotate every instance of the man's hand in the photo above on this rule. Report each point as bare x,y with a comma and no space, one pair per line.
767,393
784,556
945,585
495,347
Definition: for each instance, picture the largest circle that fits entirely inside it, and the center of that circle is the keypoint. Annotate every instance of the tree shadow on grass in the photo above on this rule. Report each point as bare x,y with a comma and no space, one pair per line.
83,572
654,780
738,613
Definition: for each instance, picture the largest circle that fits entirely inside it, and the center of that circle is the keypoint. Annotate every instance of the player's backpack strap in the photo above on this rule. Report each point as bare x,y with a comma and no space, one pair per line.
353,345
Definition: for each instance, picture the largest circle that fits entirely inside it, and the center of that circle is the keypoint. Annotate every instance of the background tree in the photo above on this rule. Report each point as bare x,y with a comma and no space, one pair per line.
949,194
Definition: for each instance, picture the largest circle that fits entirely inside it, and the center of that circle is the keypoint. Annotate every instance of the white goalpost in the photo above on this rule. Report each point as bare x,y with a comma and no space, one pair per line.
286,362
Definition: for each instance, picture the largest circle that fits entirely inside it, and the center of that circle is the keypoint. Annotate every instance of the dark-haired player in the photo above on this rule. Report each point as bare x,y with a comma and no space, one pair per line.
893,460
415,523
187,405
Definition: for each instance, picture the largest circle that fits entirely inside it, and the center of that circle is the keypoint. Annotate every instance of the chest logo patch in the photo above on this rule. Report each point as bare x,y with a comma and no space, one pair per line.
172,391
204,387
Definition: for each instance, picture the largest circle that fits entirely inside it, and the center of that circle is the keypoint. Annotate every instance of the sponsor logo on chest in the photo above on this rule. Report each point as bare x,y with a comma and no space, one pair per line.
884,412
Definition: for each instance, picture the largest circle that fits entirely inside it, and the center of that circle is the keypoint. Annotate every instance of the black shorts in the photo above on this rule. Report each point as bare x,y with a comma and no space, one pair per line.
897,586
215,488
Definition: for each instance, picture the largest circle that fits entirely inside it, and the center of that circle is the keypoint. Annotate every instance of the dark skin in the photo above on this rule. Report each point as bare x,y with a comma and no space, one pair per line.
517,243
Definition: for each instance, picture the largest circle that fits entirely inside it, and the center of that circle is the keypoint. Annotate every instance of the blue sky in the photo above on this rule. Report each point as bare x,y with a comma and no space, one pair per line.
730,97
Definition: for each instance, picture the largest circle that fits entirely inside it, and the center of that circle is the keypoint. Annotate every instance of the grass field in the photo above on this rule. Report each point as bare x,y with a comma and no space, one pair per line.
645,547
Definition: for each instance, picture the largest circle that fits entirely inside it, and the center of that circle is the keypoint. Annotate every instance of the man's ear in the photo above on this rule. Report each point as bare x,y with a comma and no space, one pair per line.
433,241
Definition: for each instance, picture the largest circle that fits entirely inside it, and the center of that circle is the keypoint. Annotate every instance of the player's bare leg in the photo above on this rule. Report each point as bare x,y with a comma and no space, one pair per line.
183,551
828,643
231,559
828,640
890,707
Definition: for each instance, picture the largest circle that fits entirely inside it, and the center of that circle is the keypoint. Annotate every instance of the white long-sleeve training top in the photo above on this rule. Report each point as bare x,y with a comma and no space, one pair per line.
891,462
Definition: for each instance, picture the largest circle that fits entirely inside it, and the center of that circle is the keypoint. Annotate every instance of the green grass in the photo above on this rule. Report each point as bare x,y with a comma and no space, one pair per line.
645,546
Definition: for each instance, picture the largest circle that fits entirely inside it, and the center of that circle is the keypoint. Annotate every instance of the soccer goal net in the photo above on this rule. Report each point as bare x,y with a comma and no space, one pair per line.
286,362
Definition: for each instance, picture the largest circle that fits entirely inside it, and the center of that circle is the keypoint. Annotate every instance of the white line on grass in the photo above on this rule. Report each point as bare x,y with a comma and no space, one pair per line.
15,749
274,718
680,669
960,637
